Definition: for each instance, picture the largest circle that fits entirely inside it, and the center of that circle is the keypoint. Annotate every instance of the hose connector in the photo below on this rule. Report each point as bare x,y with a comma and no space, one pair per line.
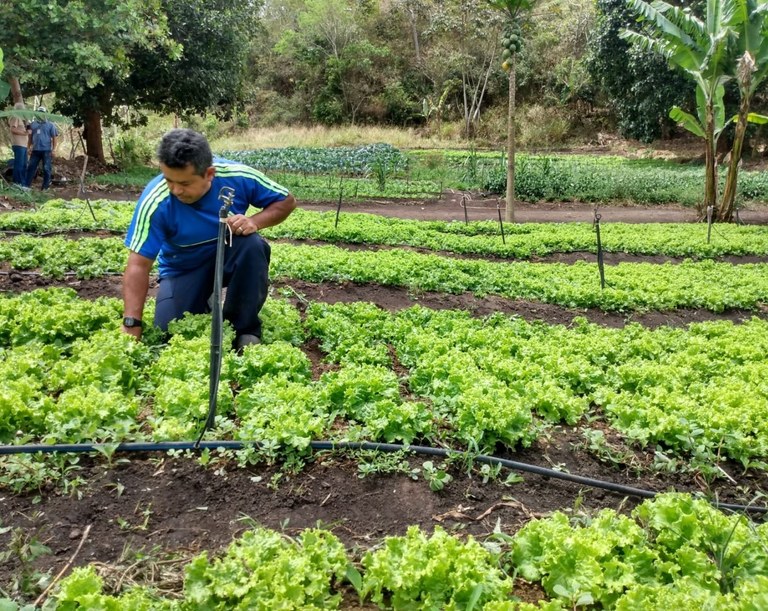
226,197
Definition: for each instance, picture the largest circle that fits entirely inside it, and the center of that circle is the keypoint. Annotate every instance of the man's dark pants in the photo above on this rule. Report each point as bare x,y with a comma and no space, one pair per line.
36,157
19,164
246,276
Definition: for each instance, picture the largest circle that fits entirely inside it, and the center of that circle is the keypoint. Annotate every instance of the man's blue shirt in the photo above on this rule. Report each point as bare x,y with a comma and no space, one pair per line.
183,236
43,133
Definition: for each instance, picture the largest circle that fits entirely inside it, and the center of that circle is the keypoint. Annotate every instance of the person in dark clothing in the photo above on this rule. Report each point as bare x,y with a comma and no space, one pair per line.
42,144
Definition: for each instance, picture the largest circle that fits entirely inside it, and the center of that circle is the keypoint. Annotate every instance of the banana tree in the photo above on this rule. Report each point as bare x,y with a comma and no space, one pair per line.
708,124
701,49
750,21
33,115
511,43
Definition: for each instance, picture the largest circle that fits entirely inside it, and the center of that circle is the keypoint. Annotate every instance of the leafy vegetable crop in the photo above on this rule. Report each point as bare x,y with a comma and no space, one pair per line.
630,286
671,550
344,160
479,382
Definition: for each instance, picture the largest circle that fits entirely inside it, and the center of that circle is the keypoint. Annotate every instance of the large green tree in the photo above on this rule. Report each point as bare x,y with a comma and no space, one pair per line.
417,15
638,85
466,51
403,61
5,87
552,70
339,68
204,73
69,48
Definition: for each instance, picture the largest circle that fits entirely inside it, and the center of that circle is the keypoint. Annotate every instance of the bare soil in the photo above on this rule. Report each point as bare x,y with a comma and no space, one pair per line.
159,505
162,505
480,207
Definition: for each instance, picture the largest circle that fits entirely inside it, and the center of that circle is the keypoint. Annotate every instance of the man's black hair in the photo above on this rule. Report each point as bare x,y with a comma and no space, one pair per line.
182,147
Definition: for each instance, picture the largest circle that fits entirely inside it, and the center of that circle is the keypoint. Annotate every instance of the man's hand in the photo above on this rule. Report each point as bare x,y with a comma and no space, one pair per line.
242,225
272,215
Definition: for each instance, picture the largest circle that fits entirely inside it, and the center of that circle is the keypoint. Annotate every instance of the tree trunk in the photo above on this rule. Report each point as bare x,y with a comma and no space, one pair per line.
478,95
710,166
93,144
725,212
746,67
464,86
509,212
412,18
15,90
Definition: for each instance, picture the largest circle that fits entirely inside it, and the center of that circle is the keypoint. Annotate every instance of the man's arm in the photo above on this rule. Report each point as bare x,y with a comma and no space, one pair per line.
135,288
18,128
272,215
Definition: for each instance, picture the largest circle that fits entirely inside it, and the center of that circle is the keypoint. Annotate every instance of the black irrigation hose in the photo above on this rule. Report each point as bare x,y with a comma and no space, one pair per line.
44,234
42,275
166,446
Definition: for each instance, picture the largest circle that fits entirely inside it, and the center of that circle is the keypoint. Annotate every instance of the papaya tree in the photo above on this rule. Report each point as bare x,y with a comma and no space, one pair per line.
513,11
749,69
700,48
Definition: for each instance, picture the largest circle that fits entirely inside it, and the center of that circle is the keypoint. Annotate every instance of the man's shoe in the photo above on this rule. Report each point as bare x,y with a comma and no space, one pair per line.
246,339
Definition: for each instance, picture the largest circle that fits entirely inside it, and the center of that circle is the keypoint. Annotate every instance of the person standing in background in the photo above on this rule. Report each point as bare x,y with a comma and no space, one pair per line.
42,141
19,141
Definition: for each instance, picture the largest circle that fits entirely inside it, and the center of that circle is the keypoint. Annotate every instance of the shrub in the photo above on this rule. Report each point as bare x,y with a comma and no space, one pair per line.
131,150
543,127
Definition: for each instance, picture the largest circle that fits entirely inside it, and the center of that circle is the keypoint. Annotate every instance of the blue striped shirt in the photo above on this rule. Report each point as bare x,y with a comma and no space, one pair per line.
183,236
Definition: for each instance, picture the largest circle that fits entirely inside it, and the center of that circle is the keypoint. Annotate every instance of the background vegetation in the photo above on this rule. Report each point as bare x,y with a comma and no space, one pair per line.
422,64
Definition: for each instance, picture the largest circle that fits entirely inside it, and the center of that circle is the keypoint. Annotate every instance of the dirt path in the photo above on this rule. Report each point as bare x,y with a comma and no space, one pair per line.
452,206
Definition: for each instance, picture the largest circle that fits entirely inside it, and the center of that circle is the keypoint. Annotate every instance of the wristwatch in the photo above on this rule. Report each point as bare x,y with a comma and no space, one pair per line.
130,321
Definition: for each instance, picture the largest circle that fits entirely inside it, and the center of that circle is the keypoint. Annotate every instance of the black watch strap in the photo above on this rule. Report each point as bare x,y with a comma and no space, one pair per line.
129,322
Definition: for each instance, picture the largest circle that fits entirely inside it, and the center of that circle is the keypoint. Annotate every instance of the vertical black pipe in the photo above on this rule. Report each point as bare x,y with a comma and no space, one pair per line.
600,265
226,195
338,209
501,224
